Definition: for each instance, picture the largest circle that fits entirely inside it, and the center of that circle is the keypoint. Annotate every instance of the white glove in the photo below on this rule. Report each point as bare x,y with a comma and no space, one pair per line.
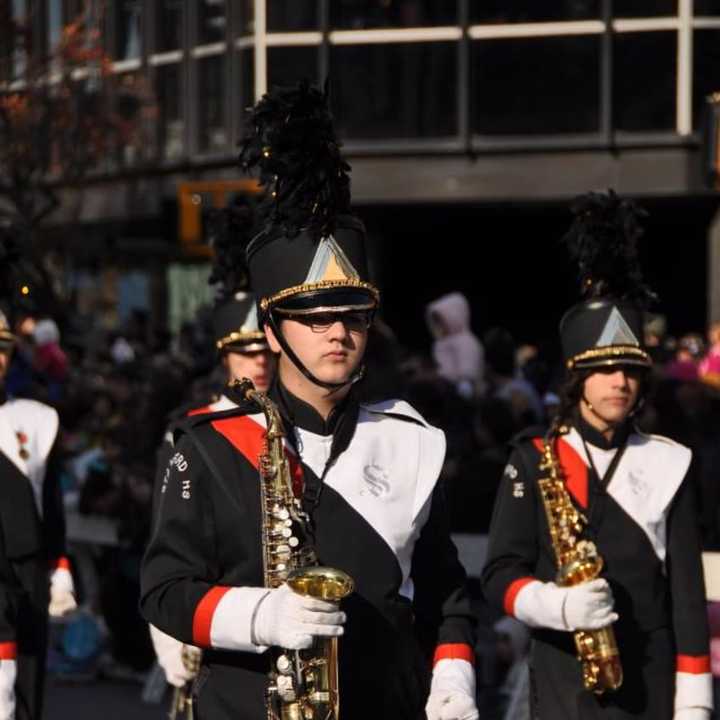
169,656
284,618
8,673
588,606
62,593
693,713
452,692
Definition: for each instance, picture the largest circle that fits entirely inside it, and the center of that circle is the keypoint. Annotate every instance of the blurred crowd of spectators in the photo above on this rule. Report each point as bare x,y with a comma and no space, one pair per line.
115,393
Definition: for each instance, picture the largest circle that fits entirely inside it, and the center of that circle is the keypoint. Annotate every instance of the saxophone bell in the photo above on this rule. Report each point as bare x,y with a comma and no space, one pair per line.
597,650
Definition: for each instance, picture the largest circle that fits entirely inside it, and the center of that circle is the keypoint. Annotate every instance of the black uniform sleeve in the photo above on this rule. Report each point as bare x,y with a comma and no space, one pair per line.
180,565
685,573
53,508
162,475
9,593
513,541
441,601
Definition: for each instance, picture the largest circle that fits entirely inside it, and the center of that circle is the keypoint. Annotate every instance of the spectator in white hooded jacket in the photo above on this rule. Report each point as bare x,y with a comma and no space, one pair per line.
458,354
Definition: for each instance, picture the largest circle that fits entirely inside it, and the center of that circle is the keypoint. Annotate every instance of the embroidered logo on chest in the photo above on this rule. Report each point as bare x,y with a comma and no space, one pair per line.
374,481
638,486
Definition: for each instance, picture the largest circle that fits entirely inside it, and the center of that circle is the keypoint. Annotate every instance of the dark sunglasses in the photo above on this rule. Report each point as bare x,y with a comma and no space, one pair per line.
355,321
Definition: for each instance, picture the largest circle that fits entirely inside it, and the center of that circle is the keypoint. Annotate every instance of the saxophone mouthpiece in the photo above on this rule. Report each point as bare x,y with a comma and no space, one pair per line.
244,386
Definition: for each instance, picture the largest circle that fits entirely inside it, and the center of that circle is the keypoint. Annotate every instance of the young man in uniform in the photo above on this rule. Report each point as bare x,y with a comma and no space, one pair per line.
35,576
365,475
632,496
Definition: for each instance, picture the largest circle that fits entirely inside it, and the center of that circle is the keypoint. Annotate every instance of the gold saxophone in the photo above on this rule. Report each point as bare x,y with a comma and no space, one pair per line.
304,684
182,702
578,561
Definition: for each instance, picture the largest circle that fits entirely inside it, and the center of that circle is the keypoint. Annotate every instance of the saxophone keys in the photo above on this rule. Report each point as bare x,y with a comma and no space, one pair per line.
293,542
284,665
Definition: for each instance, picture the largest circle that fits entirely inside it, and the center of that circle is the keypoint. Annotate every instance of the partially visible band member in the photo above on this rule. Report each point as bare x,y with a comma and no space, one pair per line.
636,497
243,352
35,577
366,475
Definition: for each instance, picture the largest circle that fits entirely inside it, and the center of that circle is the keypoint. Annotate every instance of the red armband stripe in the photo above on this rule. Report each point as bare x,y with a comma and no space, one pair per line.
8,651
454,651
62,563
512,592
695,664
202,619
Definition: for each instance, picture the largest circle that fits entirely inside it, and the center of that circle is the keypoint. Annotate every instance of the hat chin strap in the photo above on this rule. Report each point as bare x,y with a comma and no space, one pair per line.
332,387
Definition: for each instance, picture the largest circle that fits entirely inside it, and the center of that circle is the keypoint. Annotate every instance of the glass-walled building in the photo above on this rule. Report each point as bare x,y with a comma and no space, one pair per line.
439,76
456,103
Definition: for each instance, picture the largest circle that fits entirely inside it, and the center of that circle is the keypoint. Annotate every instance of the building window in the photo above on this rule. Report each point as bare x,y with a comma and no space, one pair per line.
640,105
706,8
706,76
530,11
126,25
512,93
644,8
292,15
212,21
361,14
168,25
172,123
212,128
398,90
246,96
246,16
287,65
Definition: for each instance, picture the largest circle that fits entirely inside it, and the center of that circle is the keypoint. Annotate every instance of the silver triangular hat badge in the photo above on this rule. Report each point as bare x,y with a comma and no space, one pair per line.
251,320
250,324
616,331
330,263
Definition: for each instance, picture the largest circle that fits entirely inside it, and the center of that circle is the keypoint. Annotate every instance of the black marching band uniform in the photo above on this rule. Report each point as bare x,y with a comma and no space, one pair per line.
34,570
639,502
235,329
367,475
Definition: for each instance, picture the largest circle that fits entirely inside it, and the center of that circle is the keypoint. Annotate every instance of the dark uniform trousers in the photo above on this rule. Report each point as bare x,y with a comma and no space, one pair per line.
661,605
207,538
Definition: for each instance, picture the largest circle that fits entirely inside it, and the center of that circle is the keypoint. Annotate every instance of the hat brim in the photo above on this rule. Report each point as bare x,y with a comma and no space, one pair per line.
337,299
239,341
610,357
252,346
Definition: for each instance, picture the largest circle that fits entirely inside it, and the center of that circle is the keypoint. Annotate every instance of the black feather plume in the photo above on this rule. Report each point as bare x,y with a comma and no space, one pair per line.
603,240
229,231
292,144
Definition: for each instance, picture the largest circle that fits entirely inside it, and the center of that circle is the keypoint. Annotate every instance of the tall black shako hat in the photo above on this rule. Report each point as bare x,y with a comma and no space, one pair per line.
235,322
606,328
309,256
